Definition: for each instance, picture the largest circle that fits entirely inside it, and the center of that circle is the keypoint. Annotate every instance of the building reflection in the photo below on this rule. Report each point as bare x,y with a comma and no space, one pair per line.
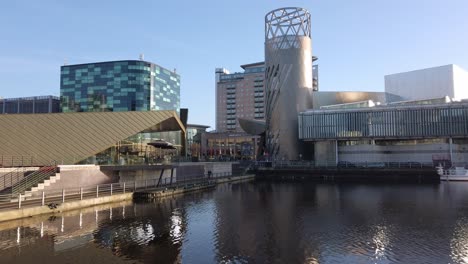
259,222
315,223
125,230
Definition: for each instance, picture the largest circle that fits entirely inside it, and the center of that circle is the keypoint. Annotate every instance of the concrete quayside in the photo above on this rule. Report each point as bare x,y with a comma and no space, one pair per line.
67,200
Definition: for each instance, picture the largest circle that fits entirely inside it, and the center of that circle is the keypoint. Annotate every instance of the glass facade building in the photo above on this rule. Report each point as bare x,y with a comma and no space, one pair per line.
116,86
30,105
409,122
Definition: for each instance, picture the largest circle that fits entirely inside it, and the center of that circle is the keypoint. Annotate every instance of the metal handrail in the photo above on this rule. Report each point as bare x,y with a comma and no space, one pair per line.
54,197
34,179
9,179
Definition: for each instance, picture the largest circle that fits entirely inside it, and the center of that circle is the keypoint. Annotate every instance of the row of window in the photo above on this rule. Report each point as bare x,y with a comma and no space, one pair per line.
422,122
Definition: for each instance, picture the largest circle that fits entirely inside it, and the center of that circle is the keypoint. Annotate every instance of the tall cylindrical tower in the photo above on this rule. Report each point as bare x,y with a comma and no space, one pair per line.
288,79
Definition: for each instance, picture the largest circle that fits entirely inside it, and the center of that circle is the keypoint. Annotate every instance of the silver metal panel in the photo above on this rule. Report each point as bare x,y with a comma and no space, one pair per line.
333,98
288,82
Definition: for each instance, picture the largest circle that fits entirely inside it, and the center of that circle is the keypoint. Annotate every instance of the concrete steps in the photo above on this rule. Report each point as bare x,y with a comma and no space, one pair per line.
41,186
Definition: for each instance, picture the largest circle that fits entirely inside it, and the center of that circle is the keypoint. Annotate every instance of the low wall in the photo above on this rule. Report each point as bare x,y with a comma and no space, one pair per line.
31,211
72,176
4,171
218,167
142,175
237,178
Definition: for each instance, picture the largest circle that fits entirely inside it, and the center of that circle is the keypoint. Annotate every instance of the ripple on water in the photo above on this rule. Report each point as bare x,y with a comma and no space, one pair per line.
261,223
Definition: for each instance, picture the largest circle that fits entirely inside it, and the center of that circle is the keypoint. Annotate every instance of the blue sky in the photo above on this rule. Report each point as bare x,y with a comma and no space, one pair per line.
357,42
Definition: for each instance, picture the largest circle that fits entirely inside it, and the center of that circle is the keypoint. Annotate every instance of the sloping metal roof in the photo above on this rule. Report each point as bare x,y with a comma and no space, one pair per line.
70,137
252,127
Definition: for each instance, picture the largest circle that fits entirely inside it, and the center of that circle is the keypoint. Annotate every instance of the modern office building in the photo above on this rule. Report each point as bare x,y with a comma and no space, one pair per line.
448,80
30,105
129,85
239,95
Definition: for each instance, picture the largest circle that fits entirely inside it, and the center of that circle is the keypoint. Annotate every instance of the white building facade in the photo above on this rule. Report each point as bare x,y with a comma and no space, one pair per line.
448,80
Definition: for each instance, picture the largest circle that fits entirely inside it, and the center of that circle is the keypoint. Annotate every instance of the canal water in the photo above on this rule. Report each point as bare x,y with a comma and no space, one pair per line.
257,222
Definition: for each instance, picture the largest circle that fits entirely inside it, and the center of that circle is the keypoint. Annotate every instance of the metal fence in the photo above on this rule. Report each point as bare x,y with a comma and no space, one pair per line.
16,161
53,198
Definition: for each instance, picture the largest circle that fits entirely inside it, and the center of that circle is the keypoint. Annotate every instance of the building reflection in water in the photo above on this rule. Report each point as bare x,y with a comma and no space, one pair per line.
257,222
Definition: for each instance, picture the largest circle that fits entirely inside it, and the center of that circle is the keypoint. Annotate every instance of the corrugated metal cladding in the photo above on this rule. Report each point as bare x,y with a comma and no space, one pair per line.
70,137
449,120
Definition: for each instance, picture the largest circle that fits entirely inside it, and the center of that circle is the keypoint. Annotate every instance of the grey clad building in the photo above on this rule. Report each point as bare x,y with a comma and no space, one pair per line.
129,85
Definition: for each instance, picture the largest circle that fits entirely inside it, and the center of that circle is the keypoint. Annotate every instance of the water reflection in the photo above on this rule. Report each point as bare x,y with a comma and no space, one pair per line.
257,222
459,242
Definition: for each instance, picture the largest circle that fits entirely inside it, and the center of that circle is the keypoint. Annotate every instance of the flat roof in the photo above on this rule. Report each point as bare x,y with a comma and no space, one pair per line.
386,107
104,62
198,126
244,66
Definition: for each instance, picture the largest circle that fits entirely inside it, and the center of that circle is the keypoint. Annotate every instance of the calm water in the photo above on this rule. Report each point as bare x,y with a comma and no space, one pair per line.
257,223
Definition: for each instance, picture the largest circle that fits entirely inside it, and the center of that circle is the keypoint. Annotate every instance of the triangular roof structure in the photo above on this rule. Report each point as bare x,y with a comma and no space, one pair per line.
67,138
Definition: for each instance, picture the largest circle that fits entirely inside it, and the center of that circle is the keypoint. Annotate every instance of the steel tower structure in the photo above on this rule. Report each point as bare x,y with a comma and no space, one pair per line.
288,79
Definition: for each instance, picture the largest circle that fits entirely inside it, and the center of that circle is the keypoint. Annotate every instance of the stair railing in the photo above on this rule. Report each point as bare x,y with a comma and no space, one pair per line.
34,179
9,179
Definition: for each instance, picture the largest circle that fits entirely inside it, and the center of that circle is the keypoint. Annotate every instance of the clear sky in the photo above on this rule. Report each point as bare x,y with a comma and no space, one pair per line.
357,42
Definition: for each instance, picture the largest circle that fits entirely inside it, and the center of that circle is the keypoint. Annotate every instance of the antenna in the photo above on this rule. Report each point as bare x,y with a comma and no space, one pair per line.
142,56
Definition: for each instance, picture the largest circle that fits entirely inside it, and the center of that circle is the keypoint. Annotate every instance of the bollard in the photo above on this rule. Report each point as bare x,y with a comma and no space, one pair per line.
43,198
146,184
63,195
124,188
97,191
111,189
81,193
19,201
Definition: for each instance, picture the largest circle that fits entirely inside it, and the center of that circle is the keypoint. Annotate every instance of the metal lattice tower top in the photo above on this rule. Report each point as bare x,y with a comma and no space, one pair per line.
287,21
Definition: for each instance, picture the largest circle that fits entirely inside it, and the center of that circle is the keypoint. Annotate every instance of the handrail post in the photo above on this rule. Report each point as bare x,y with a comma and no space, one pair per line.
124,187
111,189
97,191
81,193
43,198
63,195
19,201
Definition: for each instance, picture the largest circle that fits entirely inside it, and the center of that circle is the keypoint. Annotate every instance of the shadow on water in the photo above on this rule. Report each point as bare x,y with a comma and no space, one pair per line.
260,222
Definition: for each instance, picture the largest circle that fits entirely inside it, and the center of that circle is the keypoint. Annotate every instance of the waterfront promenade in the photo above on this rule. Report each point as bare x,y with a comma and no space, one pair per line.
59,200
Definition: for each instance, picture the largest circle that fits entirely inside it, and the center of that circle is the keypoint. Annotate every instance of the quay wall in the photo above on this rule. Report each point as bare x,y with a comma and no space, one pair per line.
354,174
67,206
